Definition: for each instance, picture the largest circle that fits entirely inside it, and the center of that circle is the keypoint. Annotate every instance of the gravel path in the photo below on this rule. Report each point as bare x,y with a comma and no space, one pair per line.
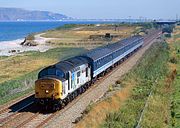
65,119
42,40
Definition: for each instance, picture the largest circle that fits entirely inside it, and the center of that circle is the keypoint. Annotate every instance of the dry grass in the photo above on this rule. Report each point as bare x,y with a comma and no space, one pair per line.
158,106
19,65
166,94
173,80
99,112
80,36
15,66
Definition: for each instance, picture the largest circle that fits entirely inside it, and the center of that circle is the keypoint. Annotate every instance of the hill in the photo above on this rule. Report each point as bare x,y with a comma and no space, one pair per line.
17,14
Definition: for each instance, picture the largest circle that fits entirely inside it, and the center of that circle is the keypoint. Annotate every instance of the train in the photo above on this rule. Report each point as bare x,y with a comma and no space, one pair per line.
59,84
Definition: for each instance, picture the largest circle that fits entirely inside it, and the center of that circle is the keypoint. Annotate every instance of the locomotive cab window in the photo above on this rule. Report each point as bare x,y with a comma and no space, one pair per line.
87,72
51,71
59,73
77,80
78,74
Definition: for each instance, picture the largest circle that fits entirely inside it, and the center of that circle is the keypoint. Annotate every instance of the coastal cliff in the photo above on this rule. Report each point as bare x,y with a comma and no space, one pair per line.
17,14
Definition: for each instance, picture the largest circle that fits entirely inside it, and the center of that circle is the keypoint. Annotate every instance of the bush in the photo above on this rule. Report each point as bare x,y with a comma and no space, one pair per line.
173,60
30,37
66,26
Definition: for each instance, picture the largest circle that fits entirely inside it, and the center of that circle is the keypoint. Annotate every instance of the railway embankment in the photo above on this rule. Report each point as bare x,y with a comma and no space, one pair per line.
145,97
174,66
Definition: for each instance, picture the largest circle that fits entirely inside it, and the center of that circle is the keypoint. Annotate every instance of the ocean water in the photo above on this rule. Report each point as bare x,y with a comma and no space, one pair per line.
19,30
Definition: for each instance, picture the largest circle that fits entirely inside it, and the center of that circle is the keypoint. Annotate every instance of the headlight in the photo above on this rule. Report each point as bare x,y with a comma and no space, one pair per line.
47,91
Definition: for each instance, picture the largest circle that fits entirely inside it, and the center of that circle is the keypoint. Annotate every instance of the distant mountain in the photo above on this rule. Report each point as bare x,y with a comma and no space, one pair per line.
17,14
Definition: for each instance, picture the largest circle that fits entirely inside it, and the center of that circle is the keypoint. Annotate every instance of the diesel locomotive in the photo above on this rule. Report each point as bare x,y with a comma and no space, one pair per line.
60,83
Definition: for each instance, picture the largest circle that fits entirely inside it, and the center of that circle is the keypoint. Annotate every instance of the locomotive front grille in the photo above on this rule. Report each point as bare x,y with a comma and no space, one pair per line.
47,88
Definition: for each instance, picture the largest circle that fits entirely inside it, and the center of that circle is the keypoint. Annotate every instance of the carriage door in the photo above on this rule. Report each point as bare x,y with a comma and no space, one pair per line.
73,80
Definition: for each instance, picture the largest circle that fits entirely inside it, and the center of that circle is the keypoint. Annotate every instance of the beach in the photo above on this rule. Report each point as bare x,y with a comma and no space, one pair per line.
9,48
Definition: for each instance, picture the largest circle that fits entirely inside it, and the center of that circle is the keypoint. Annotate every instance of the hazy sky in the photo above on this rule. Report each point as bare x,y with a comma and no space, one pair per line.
102,8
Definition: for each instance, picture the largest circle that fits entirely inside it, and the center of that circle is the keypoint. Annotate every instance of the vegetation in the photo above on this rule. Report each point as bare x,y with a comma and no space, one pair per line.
174,65
19,72
67,26
30,37
124,107
79,35
148,74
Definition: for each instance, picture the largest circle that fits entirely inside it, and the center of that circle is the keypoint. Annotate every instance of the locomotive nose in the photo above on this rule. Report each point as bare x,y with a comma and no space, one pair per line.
47,88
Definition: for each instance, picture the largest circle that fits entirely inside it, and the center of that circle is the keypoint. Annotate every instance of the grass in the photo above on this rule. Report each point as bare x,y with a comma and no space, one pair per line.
152,68
175,107
124,107
159,76
80,34
19,72
68,26
15,66
175,98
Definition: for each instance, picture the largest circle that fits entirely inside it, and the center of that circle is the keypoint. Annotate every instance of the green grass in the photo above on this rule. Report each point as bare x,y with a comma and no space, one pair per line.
152,68
175,108
68,26
18,86
175,101
3,57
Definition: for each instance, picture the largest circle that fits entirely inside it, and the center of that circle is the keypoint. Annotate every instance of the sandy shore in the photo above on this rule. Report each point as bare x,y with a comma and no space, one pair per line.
8,48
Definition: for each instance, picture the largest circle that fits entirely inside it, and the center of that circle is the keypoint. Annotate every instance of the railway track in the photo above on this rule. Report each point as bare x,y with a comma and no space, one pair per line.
39,119
8,106
12,110
8,117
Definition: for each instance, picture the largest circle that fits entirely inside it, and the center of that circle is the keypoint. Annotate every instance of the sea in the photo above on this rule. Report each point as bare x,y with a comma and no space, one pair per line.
10,31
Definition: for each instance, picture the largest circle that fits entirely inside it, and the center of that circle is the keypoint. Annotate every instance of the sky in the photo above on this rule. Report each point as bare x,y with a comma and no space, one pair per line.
103,9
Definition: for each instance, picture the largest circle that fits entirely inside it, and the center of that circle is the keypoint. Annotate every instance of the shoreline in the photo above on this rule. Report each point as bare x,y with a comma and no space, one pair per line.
14,47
